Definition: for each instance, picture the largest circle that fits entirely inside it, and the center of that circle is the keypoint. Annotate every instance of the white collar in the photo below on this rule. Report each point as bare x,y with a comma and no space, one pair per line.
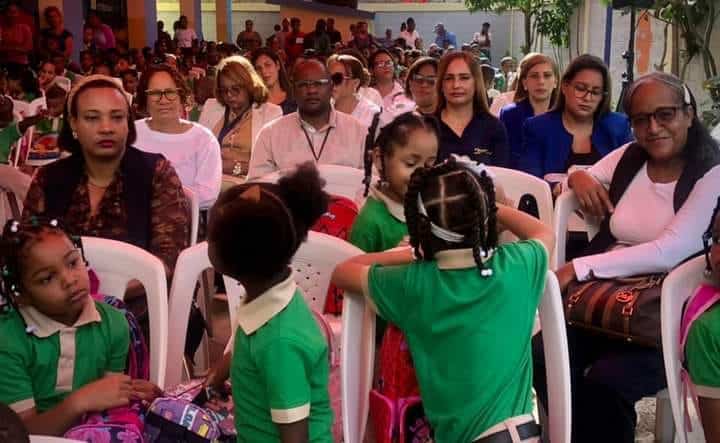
253,315
43,326
394,208
332,122
455,259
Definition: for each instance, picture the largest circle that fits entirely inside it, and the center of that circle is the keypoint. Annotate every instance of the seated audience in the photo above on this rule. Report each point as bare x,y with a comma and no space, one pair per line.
272,70
382,67
671,178
581,129
420,84
316,132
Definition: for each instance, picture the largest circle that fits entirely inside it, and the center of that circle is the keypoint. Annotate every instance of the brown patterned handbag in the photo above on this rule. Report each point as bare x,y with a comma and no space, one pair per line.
623,308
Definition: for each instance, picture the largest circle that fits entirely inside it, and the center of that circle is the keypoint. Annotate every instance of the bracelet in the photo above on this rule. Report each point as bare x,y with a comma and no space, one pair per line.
237,169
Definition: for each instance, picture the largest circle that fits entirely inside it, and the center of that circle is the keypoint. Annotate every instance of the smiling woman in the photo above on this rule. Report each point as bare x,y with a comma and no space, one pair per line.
107,188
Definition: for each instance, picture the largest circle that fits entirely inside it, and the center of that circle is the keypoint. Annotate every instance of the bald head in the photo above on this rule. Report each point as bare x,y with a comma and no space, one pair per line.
312,87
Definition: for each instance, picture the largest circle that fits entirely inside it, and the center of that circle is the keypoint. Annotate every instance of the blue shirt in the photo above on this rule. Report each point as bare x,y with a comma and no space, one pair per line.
547,145
513,117
484,140
446,39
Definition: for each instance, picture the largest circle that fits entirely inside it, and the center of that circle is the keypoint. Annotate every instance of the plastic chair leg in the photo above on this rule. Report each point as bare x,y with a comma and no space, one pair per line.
664,424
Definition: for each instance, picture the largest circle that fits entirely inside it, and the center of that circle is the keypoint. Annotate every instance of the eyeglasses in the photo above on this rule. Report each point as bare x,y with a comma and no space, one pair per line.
427,79
171,94
663,115
338,77
385,64
582,91
319,83
232,90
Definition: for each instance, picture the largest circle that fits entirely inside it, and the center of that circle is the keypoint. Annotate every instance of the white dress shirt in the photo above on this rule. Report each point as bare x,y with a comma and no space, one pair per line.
195,155
283,144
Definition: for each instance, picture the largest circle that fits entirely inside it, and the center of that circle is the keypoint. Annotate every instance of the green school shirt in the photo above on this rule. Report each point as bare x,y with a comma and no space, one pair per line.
40,371
280,368
8,136
703,353
469,336
375,229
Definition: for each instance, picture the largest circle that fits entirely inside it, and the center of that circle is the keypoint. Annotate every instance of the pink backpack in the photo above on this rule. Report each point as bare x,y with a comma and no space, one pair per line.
705,297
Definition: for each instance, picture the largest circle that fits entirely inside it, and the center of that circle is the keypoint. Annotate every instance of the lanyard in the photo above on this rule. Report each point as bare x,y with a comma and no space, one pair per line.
228,126
310,143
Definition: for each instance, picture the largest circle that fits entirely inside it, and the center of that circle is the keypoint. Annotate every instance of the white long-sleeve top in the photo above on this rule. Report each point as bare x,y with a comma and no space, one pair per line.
658,239
195,155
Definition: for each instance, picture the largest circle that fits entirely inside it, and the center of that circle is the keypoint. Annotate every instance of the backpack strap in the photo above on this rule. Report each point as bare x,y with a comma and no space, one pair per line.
627,168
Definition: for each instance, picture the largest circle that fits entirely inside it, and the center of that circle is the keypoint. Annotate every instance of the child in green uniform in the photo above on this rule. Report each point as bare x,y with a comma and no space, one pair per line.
280,366
62,354
703,343
10,130
466,306
409,142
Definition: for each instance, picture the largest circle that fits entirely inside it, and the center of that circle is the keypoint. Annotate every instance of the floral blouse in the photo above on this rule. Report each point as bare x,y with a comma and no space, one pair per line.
170,213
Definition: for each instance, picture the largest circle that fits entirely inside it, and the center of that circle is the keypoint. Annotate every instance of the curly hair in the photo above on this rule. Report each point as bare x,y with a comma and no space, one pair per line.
458,200
269,219
394,134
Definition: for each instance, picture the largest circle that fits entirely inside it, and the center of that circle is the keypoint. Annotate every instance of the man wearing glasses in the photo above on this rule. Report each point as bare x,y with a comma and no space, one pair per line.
316,132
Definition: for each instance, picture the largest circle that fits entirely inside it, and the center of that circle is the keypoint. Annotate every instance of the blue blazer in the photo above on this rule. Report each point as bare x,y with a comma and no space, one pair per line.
513,116
547,145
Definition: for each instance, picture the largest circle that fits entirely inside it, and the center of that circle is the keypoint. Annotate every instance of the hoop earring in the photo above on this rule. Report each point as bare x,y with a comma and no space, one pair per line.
74,134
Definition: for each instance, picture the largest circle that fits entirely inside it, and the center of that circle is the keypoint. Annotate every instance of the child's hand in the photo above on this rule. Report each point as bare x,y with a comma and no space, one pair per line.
144,390
109,392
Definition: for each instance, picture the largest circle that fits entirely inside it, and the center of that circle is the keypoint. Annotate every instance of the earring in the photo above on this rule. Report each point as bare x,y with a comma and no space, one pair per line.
74,134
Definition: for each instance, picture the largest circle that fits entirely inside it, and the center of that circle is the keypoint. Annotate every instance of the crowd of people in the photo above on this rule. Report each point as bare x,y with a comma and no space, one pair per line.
126,132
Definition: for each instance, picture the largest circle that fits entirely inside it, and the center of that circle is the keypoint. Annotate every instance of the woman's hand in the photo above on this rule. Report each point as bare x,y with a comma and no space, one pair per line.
592,195
565,275
111,391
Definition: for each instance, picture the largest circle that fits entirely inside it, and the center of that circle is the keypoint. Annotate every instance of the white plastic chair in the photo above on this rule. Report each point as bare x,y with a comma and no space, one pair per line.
357,356
191,263
48,439
340,180
565,206
117,263
194,202
516,184
678,286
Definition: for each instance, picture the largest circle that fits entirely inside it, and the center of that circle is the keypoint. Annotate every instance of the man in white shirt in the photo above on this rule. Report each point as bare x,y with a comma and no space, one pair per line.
316,132
410,34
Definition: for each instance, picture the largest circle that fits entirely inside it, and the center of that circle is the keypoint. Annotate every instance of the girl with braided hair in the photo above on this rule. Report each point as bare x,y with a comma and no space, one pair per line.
48,316
703,341
466,305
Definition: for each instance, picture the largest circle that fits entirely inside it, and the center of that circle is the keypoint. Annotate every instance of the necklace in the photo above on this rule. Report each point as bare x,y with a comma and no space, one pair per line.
93,185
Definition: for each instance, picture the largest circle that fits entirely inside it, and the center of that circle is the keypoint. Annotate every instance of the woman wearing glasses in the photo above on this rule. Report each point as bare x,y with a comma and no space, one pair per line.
382,66
191,148
239,112
348,75
580,130
671,180
420,84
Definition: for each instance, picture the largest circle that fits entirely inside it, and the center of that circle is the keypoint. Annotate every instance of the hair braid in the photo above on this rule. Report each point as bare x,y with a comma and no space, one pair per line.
413,218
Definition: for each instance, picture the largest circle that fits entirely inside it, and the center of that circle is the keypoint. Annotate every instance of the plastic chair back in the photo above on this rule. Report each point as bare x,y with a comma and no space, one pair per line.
344,181
678,286
194,203
116,264
565,206
357,356
516,184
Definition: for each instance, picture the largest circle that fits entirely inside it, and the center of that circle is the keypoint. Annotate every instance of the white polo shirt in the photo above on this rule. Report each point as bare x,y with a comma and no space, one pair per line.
289,141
